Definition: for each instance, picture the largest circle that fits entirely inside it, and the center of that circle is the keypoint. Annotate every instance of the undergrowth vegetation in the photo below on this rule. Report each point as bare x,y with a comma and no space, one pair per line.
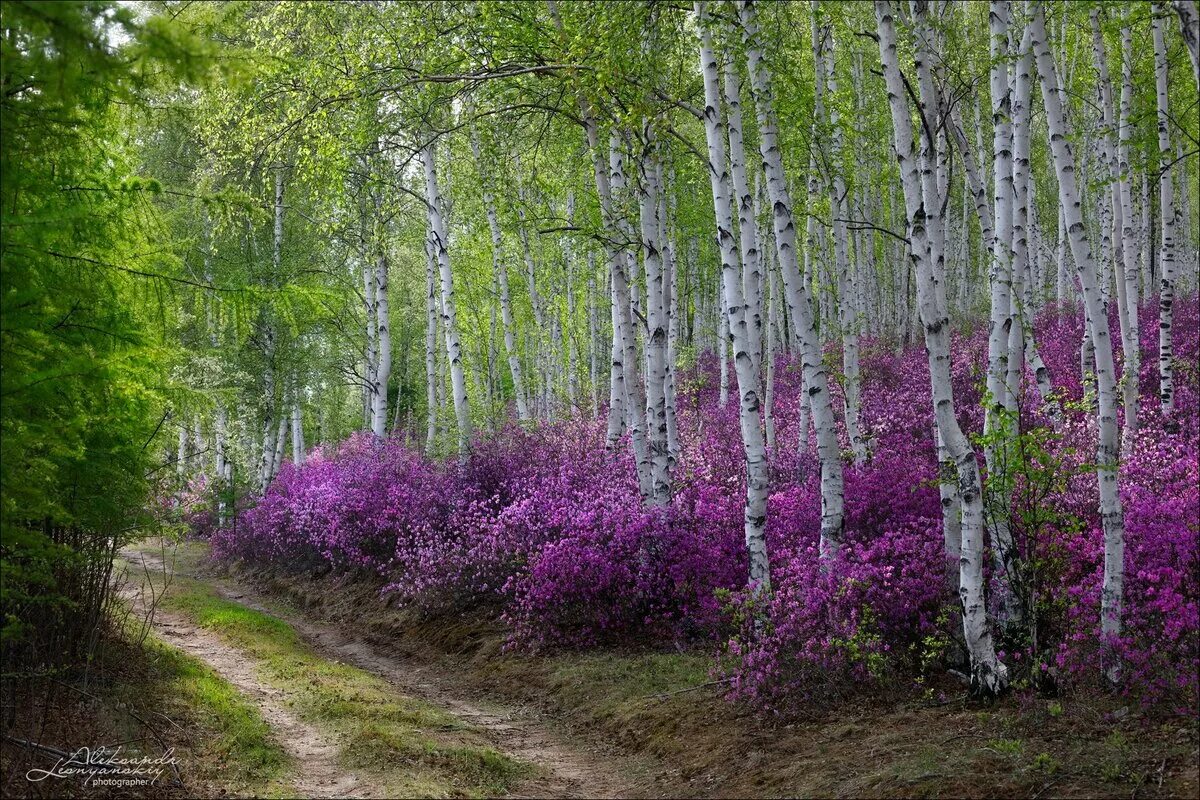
544,528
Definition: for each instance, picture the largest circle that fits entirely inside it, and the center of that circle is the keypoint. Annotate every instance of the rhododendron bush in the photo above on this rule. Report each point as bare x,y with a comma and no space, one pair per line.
546,530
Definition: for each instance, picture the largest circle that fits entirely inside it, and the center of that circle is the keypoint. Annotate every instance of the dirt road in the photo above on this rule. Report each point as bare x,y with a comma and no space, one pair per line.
565,768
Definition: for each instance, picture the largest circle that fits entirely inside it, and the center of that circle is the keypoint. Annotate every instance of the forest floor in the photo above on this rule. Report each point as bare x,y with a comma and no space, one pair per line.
353,720
365,701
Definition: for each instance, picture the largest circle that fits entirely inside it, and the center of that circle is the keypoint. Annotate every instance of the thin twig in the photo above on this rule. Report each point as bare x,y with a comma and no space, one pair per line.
1042,790
664,695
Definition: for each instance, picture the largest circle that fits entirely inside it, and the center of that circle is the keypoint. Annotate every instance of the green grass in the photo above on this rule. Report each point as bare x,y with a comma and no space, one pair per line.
237,744
611,684
409,746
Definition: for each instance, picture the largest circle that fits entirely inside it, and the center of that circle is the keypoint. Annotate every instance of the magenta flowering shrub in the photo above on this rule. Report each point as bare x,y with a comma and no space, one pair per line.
829,629
545,530
624,572
351,511
1159,646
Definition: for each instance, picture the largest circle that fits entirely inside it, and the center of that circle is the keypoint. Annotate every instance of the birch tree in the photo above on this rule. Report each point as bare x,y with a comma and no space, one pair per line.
1167,217
799,303
757,479
1106,457
383,367
1001,251
431,317
1189,27
438,241
656,315
1127,286
824,49
267,464
988,675
1025,250
500,271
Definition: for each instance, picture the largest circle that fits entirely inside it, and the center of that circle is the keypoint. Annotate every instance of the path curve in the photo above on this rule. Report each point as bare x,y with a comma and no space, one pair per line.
568,770
316,771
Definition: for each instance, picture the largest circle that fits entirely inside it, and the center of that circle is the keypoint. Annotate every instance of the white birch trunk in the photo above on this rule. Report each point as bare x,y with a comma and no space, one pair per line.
799,303
1022,329
383,364
280,446
722,348
1023,347
569,328
1147,240
616,387
431,369
297,430
1127,286
1108,200
772,333
371,360
1061,291
181,451
619,308
625,295
1001,251
1106,457
1189,28
810,277
988,675
962,262
666,216
500,273
219,438
1187,233
656,316
197,448
223,464
214,338
268,450
630,299
825,46
593,337
458,382
757,478
951,509
747,224
1169,220
694,293
624,350
267,465
1024,247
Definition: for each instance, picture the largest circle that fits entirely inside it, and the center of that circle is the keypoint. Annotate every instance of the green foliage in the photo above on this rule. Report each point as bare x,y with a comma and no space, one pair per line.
85,294
1029,468
1044,762
1006,747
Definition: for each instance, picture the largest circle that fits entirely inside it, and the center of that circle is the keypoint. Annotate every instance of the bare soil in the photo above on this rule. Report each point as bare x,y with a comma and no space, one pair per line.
317,772
565,768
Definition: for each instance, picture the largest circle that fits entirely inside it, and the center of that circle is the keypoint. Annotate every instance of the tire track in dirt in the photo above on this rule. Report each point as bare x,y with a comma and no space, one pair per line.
568,770
316,770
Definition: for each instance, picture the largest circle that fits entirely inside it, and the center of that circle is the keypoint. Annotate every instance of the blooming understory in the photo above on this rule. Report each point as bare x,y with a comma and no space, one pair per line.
545,529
